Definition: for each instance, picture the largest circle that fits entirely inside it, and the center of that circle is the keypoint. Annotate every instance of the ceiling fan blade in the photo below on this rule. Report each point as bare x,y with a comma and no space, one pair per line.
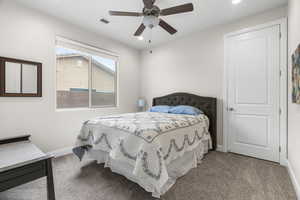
177,9
121,13
149,3
140,30
167,27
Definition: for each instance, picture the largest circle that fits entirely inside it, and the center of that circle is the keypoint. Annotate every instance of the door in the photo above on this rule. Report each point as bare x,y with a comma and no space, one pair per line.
253,93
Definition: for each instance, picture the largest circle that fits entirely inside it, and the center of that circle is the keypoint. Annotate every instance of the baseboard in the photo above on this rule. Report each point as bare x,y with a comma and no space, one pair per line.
284,162
220,148
61,152
294,180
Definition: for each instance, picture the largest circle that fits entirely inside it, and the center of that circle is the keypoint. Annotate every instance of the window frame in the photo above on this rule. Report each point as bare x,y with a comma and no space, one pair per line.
100,52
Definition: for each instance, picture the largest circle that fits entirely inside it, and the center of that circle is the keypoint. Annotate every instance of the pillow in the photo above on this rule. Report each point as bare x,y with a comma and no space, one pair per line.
186,110
161,109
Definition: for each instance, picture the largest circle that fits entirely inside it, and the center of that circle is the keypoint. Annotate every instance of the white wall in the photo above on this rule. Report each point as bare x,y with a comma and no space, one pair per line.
27,34
293,109
194,63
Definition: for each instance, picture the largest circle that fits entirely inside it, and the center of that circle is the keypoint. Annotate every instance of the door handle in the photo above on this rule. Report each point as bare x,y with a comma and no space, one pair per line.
231,109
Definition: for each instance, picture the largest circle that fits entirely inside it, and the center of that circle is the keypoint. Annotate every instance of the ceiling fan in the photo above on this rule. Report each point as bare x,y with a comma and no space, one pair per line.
151,14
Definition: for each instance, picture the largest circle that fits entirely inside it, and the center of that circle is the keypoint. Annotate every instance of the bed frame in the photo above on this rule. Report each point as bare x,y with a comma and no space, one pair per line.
207,104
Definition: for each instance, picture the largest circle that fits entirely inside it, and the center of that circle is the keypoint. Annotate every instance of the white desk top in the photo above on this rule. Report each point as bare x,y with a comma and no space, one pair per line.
19,154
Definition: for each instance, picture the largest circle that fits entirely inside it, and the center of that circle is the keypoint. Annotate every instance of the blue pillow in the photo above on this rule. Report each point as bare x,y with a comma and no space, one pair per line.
186,110
161,109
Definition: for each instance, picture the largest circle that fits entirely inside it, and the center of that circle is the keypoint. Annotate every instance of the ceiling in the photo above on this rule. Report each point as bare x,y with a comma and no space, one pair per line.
86,14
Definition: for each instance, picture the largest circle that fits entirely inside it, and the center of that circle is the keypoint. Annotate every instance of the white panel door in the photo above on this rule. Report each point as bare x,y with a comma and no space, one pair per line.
253,93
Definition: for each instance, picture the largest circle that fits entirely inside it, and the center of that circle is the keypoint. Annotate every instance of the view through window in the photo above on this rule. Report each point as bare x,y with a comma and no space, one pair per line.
84,79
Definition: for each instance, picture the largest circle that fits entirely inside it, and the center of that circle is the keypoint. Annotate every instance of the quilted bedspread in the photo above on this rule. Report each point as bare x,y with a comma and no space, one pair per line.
147,141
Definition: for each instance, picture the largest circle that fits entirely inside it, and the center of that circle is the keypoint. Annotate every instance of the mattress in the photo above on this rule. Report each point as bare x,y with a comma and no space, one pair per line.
147,143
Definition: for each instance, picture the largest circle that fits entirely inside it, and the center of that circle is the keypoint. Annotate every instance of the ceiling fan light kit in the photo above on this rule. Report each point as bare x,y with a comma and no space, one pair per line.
151,14
150,21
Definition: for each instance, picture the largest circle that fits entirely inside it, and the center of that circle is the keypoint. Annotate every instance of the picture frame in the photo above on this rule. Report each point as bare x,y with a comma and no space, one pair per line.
296,76
20,78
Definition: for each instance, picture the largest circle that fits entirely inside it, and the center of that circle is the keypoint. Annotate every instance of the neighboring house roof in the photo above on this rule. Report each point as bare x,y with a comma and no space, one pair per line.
94,62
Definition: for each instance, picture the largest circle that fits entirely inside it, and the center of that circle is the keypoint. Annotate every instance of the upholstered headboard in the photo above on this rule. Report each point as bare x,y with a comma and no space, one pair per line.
207,104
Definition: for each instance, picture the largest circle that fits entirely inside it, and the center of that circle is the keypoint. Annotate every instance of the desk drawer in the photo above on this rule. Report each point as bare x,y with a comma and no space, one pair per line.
39,166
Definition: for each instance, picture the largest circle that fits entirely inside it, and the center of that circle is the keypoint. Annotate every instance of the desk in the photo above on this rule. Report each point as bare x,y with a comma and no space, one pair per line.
22,162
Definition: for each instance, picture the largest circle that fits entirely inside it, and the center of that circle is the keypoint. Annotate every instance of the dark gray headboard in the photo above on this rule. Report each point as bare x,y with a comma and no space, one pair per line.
207,104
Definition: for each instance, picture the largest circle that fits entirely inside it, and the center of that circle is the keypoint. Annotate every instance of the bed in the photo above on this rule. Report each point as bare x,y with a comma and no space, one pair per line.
152,149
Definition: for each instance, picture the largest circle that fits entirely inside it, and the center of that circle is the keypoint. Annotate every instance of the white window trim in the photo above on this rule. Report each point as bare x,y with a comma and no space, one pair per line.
86,46
101,51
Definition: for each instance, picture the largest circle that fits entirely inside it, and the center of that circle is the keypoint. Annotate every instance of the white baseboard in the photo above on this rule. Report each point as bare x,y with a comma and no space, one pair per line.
61,152
220,148
294,180
284,162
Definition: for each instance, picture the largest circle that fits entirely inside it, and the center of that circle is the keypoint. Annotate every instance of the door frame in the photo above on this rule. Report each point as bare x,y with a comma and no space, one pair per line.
283,73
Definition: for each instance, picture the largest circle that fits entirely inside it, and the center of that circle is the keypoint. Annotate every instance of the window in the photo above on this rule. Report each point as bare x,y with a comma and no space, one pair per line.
85,76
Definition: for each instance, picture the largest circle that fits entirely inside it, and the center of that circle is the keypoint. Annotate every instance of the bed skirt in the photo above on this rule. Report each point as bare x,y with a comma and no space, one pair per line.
175,169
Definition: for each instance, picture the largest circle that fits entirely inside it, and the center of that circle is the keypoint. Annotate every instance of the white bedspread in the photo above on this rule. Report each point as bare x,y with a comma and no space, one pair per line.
147,141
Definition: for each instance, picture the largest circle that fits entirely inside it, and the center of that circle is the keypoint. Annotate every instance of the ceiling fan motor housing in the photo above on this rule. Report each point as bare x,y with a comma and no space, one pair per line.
155,11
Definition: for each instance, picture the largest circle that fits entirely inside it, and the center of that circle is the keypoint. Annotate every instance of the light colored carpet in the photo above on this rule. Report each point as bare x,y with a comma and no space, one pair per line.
220,177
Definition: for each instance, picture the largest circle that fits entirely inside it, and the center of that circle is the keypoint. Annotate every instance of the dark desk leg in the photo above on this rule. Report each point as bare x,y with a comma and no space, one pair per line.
50,183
